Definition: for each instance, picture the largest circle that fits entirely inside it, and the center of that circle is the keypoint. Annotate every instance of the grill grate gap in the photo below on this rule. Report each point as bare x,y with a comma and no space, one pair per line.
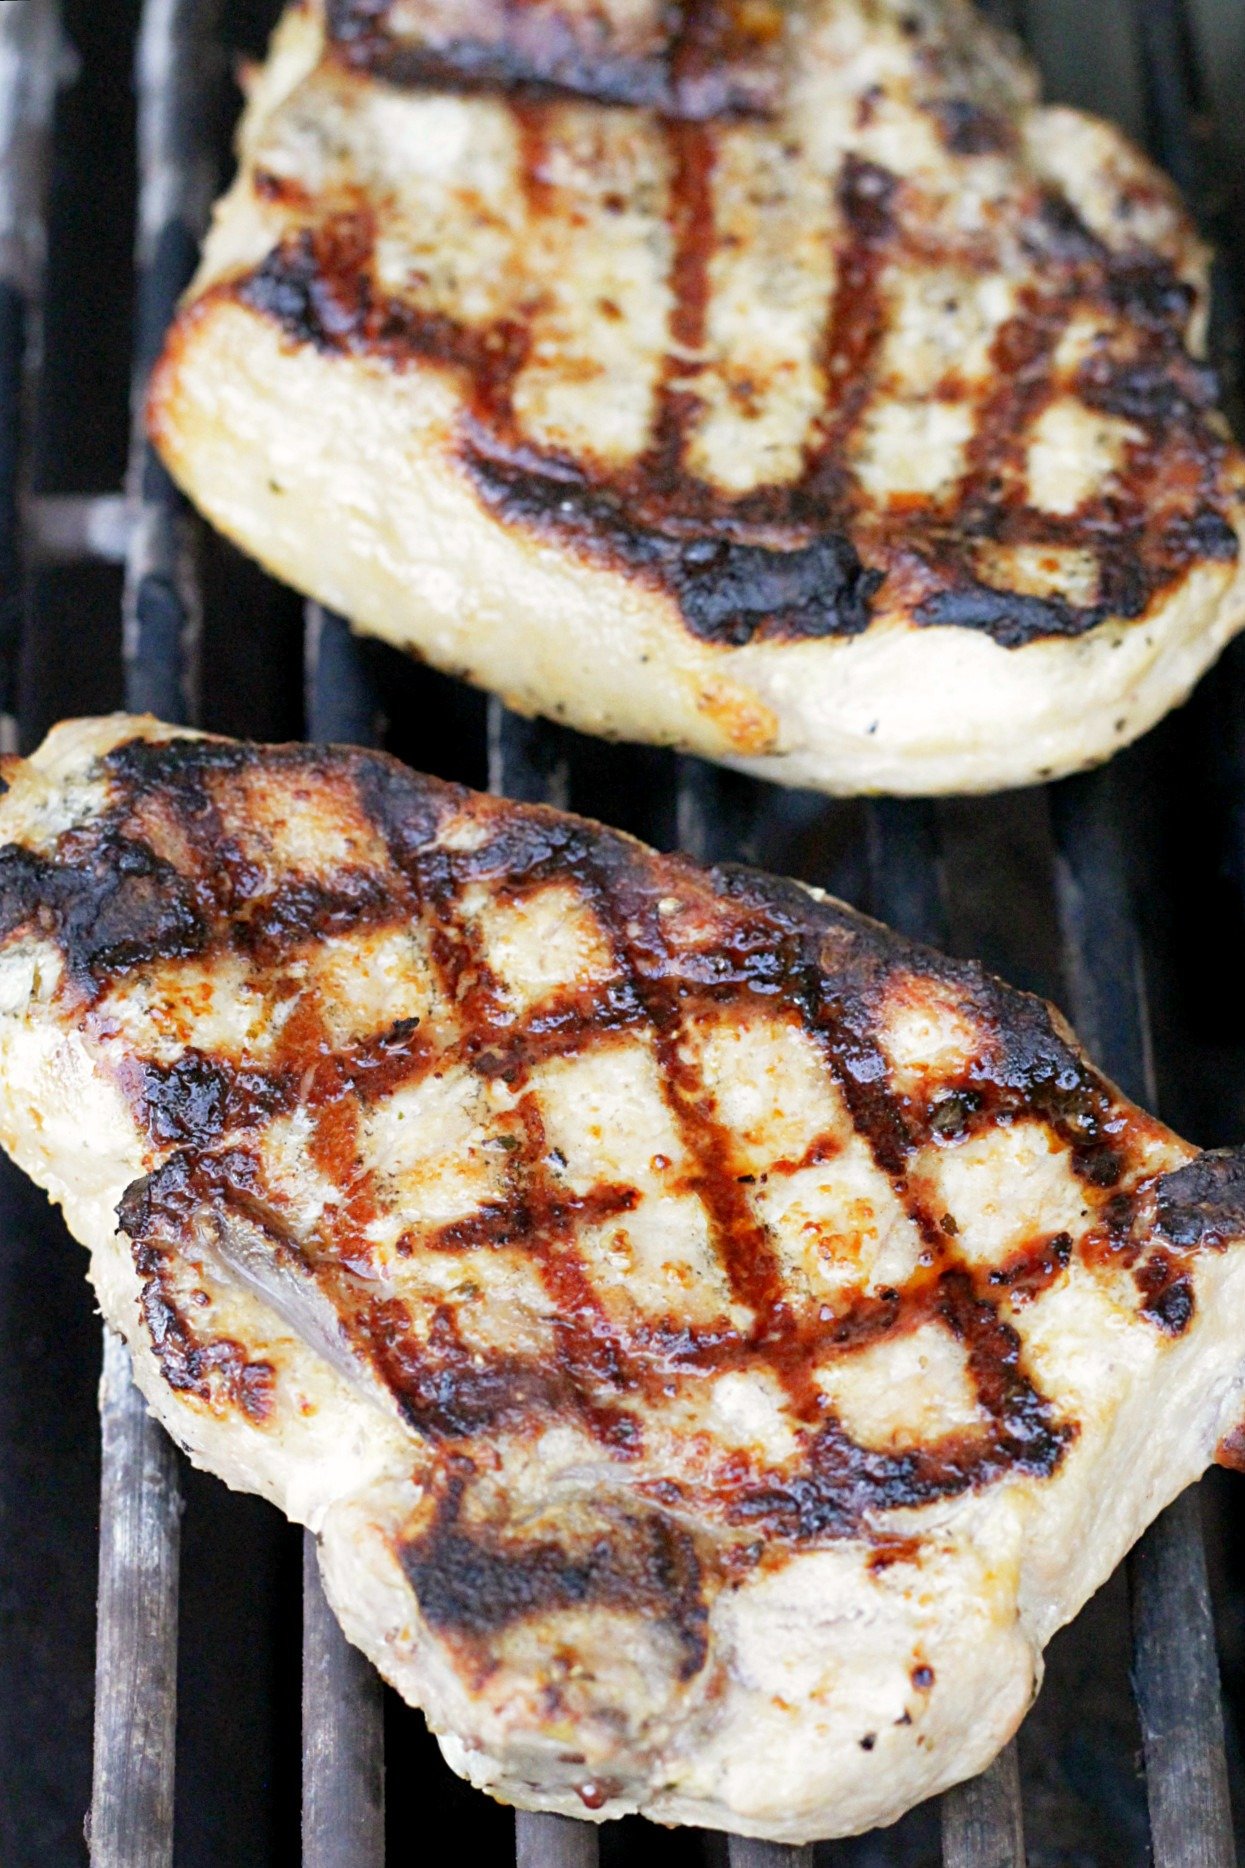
32,58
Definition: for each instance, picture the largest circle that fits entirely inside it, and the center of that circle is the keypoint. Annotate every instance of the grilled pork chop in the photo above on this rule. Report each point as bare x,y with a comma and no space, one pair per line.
768,377
716,1341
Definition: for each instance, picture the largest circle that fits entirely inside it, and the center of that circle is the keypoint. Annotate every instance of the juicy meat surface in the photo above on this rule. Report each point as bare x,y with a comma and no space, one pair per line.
716,1341
780,380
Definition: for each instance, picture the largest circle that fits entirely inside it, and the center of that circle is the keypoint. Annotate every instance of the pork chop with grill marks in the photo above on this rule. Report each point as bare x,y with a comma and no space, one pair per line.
773,378
716,1341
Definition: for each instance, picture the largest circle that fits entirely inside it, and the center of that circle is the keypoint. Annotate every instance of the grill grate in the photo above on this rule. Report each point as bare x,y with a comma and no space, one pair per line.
895,851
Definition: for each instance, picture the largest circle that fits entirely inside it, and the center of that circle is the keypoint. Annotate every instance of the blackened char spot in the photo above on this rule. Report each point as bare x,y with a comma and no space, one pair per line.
1060,234
184,761
404,808
700,59
349,22
1138,282
471,1583
560,68
866,194
731,593
726,591
1009,616
970,129
1155,390
1148,288
446,1391
162,1206
1206,535
1168,1293
197,1098
116,907
1203,1204
304,909
290,287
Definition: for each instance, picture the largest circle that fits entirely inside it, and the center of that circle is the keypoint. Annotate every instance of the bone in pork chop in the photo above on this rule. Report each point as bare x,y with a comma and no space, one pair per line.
716,1341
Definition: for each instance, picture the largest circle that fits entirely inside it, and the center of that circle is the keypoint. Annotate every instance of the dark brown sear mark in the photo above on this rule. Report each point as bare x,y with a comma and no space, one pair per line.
1168,1292
471,1583
1203,1204
968,128
1031,1271
841,1486
693,59
157,1213
197,1098
1199,1207
688,948
116,908
761,566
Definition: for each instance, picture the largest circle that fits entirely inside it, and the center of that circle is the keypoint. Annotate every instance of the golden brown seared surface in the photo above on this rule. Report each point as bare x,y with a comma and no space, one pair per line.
678,1227
799,314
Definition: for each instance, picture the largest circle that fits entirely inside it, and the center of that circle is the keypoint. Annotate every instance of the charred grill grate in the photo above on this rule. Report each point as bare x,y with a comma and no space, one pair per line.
908,862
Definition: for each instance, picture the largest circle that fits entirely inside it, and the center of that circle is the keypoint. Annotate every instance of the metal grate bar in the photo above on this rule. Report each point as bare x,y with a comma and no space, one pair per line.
542,1840
341,699
68,528
1176,1671
343,1819
983,1820
178,59
1175,1665
131,1820
343,1738
30,61
905,887
747,1852
136,1641
527,761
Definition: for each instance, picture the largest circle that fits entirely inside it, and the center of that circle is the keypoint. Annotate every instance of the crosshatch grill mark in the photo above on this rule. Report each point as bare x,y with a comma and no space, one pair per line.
817,555
683,945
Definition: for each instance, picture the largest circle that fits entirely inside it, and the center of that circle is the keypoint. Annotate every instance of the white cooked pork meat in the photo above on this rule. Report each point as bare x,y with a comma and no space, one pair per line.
715,1341
773,378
